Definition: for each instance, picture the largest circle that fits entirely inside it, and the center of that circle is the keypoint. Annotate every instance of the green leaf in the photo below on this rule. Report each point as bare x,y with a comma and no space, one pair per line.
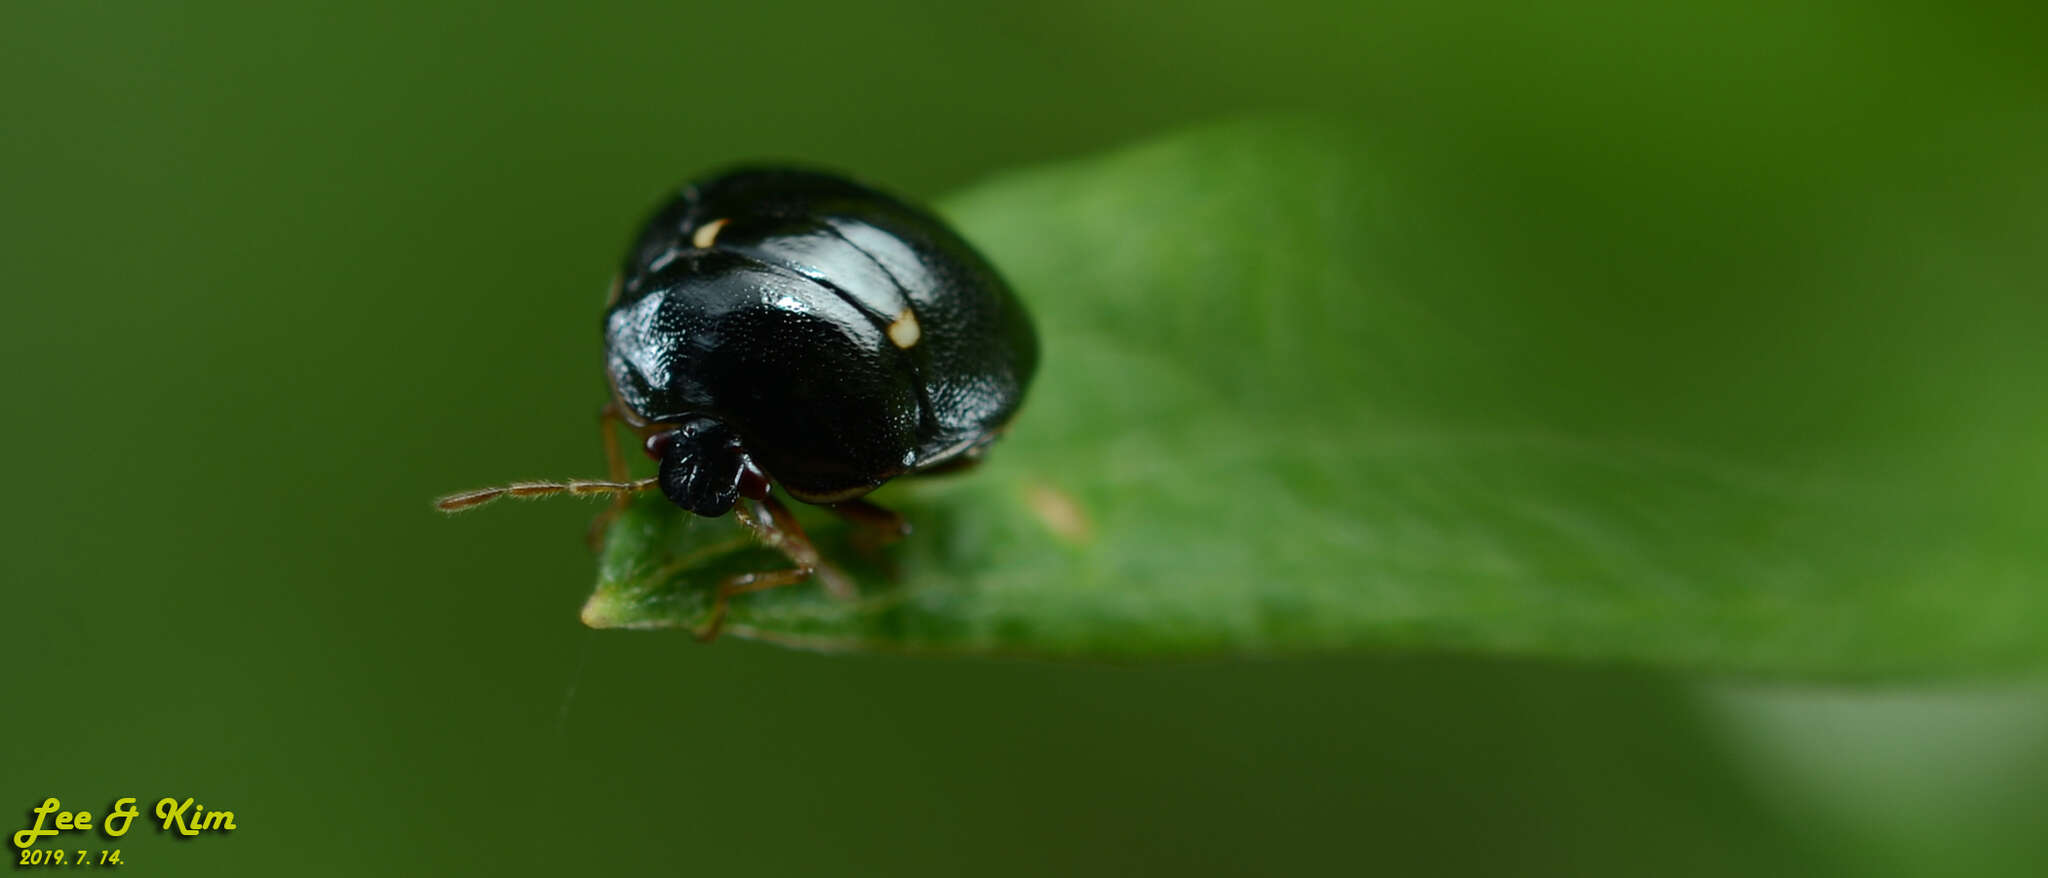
1304,391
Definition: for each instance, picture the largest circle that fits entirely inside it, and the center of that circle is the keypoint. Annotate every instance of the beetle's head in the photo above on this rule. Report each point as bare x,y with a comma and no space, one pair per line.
704,469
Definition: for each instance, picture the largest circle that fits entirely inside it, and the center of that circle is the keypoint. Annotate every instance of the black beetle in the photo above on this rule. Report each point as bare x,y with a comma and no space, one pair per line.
774,325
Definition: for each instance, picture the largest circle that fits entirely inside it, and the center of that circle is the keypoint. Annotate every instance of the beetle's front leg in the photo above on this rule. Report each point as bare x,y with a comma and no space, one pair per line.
774,526
741,584
608,421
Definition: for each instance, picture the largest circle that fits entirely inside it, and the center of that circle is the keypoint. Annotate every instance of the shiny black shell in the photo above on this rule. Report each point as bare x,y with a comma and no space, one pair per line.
846,336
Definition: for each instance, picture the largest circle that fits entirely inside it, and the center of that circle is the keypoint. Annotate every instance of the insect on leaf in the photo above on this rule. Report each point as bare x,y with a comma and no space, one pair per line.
1299,393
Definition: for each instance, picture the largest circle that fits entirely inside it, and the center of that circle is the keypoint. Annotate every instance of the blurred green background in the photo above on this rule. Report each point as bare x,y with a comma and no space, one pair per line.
277,275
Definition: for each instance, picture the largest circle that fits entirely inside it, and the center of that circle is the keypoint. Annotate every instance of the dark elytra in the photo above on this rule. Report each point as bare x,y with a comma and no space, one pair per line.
801,326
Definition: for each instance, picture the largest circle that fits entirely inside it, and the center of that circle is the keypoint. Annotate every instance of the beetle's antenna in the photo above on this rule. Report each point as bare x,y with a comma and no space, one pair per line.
529,490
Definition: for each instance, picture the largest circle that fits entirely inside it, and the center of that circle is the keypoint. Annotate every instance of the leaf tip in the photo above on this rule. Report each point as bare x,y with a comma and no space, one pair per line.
604,610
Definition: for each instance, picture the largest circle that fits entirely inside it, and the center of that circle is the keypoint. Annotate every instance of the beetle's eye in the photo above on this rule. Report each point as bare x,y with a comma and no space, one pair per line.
658,444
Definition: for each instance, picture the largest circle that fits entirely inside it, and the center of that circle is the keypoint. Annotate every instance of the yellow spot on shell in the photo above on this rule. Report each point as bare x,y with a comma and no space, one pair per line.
904,332
707,233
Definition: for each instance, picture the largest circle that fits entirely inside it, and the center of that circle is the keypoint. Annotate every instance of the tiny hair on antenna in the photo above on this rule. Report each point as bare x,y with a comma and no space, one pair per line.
530,490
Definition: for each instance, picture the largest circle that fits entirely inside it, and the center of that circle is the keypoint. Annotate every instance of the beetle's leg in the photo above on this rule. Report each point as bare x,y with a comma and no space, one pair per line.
774,525
742,584
608,421
878,524
874,528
